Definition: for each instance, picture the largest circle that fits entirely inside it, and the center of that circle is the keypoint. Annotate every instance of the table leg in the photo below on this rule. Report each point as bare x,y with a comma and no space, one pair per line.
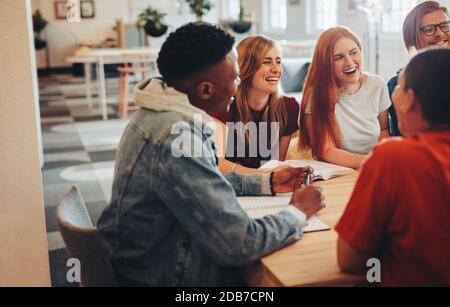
102,88
87,80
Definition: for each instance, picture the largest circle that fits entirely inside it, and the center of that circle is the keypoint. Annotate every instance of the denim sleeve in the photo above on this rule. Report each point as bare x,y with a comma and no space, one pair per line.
205,204
393,121
250,184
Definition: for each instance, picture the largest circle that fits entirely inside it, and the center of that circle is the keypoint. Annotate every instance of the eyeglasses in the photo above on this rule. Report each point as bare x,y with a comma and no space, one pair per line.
430,30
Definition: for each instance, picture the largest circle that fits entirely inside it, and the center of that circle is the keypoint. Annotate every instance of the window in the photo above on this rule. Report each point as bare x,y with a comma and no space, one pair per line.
322,15
396,11
276,12
230,9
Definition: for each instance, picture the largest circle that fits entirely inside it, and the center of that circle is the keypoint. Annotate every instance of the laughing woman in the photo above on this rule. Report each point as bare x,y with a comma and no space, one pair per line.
344,109
260,122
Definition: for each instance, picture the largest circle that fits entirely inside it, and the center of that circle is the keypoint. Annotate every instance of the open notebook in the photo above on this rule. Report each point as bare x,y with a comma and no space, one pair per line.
260,206
322,170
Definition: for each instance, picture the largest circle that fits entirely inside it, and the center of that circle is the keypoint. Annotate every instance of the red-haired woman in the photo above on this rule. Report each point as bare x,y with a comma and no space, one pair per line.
344,109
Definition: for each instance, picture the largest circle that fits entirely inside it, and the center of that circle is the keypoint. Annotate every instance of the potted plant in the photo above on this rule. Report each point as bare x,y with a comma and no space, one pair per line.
241,26
200,7
152,21
39,24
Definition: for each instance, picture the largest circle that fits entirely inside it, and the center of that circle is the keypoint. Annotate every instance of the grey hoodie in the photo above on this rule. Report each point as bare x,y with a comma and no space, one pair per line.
154,94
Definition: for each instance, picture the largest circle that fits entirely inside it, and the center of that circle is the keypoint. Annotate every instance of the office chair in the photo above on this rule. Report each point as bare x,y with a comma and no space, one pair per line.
82,241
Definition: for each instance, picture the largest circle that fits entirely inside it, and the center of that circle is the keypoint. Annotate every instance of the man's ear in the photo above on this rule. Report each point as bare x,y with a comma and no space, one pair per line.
410,102
205,90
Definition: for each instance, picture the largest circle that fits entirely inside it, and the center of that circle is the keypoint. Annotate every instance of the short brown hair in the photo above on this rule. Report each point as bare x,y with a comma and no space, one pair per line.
411,26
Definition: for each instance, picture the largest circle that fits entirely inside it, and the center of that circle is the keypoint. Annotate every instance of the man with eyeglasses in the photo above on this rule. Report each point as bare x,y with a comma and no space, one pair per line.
430,31
427,25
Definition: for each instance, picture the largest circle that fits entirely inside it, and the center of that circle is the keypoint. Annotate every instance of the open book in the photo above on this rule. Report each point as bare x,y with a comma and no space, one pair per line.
260,206
322,170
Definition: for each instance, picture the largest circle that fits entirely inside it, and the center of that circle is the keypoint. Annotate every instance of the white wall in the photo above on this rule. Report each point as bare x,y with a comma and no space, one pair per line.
63,37
23,240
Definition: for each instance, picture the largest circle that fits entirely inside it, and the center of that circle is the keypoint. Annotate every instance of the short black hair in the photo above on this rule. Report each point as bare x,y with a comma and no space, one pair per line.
428,75
192,48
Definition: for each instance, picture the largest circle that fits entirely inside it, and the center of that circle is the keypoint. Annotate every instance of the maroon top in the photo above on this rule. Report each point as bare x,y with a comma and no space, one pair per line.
257,156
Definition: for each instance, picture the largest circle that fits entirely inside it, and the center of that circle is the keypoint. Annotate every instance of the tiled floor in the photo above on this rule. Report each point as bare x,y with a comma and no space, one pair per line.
79,148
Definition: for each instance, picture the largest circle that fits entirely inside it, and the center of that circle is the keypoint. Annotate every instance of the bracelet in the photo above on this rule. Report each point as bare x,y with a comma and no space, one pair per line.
271,184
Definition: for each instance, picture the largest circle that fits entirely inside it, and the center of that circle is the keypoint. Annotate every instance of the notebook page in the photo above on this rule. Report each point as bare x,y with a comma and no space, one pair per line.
322,170
260,206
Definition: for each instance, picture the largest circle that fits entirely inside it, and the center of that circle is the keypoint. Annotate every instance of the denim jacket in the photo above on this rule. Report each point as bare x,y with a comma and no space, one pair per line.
174,220
393,121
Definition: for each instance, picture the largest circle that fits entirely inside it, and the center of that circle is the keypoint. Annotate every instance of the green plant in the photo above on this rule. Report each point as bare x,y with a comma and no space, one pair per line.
39,24
200,7
241,10
240,26
153,16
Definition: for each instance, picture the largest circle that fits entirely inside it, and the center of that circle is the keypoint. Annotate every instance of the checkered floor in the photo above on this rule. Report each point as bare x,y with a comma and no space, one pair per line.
79,149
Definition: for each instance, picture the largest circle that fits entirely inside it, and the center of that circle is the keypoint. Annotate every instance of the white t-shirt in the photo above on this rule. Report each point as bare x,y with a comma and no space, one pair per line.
357,115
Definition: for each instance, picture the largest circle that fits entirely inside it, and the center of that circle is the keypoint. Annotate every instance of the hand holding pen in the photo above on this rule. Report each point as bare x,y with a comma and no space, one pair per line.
305,179
309,198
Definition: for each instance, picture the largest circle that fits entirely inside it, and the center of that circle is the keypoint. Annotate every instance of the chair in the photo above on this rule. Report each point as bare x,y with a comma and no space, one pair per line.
295,153
124,72
82,241
294,75
129,35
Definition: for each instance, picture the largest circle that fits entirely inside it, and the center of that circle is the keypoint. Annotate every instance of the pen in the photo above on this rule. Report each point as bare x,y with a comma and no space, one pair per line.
308,178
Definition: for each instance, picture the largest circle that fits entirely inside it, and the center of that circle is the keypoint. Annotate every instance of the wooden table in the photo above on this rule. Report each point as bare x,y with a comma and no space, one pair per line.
311,261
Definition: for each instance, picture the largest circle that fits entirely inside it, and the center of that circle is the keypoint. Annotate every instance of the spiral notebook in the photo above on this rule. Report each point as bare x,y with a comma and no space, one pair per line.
260,206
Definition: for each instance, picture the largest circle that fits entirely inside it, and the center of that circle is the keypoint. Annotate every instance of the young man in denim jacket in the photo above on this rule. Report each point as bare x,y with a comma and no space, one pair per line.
174,219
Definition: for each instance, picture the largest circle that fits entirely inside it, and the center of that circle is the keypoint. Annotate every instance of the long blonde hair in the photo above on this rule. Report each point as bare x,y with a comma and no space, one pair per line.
252,52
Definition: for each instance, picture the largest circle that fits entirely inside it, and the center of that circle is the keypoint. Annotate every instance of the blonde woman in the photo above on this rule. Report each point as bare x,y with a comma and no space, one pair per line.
259,124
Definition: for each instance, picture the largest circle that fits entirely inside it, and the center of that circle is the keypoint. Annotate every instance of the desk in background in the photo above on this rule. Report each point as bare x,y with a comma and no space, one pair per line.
311,261
100,57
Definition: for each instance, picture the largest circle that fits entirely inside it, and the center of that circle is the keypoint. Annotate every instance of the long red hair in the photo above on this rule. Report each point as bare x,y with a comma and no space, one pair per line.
321,93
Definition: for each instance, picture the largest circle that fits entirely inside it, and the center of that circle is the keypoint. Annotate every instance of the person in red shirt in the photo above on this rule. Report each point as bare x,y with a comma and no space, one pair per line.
399,211
271,117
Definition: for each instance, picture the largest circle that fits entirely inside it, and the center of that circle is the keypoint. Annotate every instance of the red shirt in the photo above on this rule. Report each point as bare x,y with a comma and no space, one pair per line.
400,210
292,108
